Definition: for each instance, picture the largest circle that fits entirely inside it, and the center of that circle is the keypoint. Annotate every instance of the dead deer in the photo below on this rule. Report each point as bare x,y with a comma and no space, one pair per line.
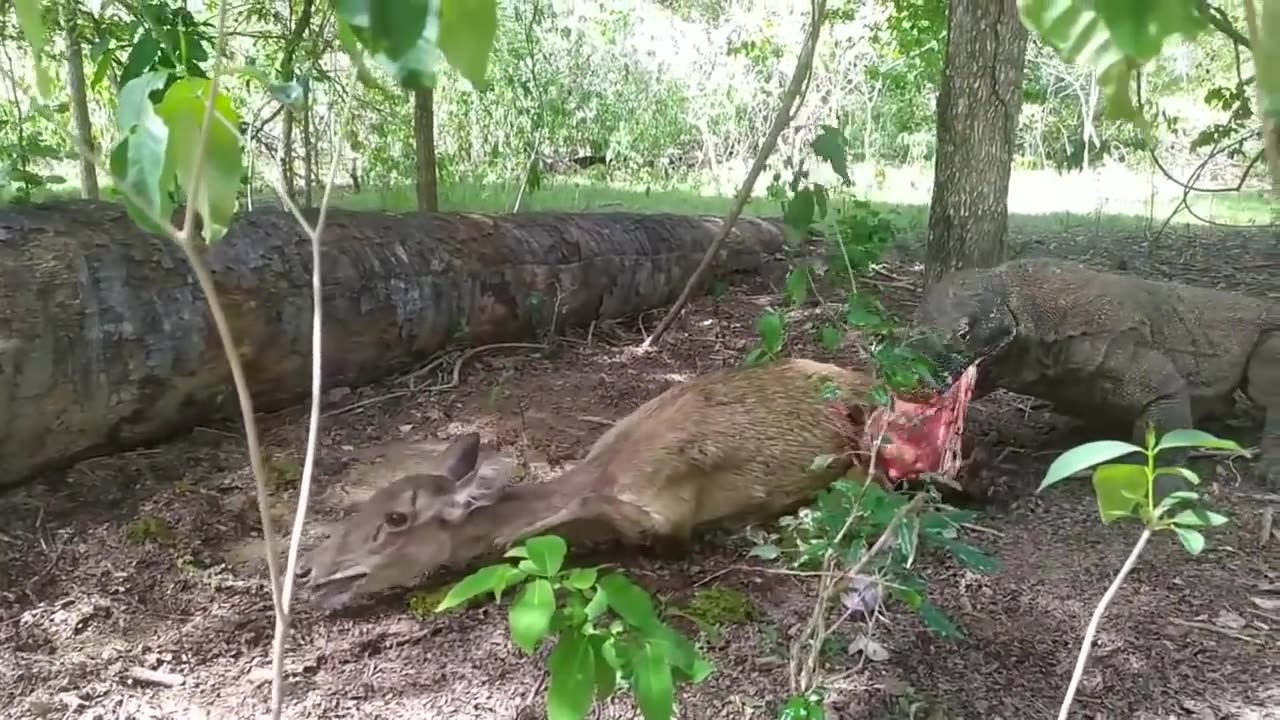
738,444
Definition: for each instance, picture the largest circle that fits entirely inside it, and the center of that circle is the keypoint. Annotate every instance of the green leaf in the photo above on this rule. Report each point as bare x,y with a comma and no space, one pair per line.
137,162
396,26
797,286
651,678
1185,473
1139,27
606,674
799,213
1175,498
519,551
1197,439
770,328
937,621
1114,45
505,580
598,604
530,614
401,36
483,580
1120,489
1198,517
906,536
829,145
1083,457
134,104
31,21
967,555
182,110
829,337
572,667
1192,540
546,553
629,601
355,51
467,31
879,395
799,707
581,578
765,552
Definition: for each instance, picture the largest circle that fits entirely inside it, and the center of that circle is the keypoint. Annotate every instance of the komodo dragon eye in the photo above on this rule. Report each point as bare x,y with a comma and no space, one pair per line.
396,519
962,331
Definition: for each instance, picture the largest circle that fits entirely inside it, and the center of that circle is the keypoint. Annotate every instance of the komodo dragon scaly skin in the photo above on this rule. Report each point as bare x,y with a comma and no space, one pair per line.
1108,348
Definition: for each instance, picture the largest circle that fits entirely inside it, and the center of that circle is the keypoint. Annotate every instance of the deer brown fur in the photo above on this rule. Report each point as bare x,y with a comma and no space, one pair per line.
736,444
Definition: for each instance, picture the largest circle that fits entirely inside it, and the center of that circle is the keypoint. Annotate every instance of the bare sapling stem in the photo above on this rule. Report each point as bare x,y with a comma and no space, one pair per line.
1087,644
799,79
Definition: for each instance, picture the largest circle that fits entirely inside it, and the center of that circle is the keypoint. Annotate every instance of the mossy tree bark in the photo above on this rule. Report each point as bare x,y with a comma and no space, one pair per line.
106,341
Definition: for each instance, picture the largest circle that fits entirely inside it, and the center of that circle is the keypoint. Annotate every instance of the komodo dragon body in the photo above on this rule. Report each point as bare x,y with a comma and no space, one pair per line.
1110,349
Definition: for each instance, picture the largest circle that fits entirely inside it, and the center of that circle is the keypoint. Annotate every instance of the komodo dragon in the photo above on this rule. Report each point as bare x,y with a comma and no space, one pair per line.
1108,348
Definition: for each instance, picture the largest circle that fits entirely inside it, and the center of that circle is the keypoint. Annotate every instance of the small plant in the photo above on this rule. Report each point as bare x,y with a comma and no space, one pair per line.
149,529
715,607
606,630
1128,491
868,510
422,604
283,472
771,327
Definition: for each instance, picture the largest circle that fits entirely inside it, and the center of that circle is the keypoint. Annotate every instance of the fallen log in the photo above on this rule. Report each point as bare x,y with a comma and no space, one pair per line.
106,342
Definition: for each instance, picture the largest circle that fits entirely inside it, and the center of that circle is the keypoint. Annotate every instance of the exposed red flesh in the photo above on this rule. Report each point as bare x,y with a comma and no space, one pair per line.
923,436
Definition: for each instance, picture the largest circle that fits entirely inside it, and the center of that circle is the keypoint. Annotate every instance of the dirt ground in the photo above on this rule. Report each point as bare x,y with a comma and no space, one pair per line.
131,586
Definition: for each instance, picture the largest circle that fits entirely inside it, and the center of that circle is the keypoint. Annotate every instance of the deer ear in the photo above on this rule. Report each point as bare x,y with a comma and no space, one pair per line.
461,456
476,490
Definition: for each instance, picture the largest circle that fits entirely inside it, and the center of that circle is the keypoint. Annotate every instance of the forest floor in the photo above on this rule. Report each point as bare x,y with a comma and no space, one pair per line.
149,560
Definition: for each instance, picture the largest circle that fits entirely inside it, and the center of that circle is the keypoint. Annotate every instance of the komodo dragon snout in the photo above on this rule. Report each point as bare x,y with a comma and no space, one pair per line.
961,313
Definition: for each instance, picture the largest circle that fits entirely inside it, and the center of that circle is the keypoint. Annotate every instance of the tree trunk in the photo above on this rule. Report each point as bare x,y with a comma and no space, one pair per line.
106,341
308,147
77,88
978,108
287,120
424,141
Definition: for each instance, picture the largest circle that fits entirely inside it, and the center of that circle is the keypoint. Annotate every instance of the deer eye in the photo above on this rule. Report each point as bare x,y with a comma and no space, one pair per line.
396,519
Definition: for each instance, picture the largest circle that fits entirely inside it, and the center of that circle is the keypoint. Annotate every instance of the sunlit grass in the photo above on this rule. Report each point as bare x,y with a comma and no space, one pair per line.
1039,200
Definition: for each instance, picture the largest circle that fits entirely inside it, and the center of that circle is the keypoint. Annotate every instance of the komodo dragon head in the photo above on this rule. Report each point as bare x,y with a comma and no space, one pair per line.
965,311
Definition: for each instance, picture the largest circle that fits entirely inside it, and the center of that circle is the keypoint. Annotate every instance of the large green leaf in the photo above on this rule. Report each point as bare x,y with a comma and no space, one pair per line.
1115,40
1083,457
401,35
546,553
182,109
629,601
1197,439
1119,490
651,679
530,614
489,578
137,161
31,20
467,30
572,666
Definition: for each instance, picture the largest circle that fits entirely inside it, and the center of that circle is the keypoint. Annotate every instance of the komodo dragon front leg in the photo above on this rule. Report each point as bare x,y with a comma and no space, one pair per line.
1124,379
1262,385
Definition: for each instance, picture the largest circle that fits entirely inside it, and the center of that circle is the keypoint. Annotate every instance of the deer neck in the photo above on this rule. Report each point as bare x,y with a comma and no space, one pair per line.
524,511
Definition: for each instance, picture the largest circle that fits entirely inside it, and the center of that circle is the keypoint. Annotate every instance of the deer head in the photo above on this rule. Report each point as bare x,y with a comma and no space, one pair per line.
406,529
